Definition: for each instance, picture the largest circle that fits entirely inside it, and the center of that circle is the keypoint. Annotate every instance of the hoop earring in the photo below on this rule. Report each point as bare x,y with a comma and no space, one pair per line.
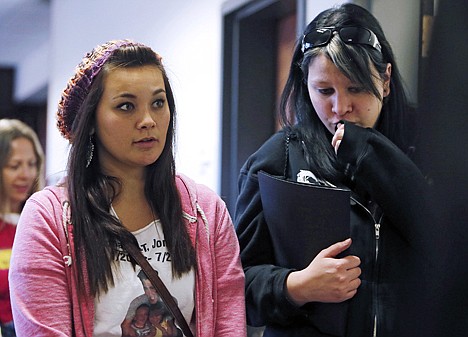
89,151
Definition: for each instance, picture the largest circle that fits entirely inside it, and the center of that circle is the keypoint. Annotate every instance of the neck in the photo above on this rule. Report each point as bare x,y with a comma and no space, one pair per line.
16,208
12,207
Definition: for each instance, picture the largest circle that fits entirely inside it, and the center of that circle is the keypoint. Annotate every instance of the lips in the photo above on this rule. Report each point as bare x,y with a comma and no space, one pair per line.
22,189
146,143
146,140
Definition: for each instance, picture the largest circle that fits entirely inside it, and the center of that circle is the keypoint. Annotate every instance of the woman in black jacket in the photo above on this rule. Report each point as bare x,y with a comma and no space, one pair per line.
347,123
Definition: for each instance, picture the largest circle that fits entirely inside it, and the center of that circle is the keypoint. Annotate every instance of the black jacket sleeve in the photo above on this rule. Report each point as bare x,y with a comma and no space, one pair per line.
372,163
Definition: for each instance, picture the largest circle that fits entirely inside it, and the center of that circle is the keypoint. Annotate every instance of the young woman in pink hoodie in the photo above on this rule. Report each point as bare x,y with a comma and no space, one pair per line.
71,274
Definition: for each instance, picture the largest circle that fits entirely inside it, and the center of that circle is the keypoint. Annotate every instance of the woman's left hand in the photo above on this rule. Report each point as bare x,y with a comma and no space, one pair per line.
339,133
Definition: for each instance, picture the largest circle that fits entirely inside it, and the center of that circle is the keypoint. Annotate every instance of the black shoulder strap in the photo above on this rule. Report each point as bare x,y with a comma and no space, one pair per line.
295,160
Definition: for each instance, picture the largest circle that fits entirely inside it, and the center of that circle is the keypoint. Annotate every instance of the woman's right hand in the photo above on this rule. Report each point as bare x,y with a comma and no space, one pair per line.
326,278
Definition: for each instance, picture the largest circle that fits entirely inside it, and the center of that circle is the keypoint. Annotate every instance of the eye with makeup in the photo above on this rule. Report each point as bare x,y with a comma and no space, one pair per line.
325,91
126,106
12,167
159,103
357,89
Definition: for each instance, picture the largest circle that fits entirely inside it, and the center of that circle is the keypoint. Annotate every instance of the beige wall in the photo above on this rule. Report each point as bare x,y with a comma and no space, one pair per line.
188,36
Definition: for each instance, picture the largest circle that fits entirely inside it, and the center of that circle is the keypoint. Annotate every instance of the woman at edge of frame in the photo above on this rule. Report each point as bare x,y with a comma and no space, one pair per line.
345,110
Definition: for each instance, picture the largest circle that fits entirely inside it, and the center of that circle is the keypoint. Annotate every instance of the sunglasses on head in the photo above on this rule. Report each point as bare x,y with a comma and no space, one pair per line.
349,35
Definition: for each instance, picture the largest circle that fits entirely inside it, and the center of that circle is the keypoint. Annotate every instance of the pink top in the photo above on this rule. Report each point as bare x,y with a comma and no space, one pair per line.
43,290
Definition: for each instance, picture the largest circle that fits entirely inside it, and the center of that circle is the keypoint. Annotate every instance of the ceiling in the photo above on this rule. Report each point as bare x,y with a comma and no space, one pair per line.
24,28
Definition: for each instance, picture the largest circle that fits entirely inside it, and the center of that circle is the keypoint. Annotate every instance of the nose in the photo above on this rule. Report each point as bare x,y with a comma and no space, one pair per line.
27,171
341,104
147,121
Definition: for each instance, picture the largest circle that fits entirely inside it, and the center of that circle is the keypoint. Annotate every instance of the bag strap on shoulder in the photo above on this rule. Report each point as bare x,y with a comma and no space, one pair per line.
160,287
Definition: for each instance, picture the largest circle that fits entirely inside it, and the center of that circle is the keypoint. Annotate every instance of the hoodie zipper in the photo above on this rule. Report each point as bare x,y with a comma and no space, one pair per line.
377,241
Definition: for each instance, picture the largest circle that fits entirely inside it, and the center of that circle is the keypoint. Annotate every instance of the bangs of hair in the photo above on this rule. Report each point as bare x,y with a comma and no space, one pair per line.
354,61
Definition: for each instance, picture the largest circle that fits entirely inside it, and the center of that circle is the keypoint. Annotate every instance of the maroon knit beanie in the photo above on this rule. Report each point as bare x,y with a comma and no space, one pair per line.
78,86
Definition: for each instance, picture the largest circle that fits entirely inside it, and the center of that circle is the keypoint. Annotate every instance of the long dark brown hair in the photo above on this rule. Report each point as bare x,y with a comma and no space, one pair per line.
97,234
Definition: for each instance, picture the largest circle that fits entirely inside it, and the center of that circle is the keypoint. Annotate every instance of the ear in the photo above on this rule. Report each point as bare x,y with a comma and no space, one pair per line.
387,77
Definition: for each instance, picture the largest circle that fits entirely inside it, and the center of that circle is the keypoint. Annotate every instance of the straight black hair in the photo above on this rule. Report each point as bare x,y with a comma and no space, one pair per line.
354,61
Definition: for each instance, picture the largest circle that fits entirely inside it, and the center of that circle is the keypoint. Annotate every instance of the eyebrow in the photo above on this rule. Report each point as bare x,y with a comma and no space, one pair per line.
319,81
19,160
129,95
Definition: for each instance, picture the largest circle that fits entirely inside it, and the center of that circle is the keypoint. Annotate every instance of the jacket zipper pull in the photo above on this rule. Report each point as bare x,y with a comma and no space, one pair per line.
377,231
377,237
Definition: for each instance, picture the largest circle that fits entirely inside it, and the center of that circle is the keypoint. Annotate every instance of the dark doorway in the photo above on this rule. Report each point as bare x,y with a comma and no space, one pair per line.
32,111
258,37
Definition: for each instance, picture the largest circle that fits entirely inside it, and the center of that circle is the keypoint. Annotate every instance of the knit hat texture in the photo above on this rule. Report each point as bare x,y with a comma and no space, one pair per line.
78,86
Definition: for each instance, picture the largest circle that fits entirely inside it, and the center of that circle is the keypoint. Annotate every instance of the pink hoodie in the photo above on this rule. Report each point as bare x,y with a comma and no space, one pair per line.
43,289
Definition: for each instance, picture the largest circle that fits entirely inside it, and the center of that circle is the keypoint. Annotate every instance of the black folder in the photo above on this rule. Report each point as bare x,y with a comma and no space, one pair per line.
303,219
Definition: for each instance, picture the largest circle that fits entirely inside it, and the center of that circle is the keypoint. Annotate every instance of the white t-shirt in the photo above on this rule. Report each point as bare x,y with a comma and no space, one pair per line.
113,307
11,218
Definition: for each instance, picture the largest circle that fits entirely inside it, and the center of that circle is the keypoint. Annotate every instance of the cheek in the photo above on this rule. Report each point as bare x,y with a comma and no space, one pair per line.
321,109
107,139
108,128
374,112
319,104
166,118
164,122
4,176
7,178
